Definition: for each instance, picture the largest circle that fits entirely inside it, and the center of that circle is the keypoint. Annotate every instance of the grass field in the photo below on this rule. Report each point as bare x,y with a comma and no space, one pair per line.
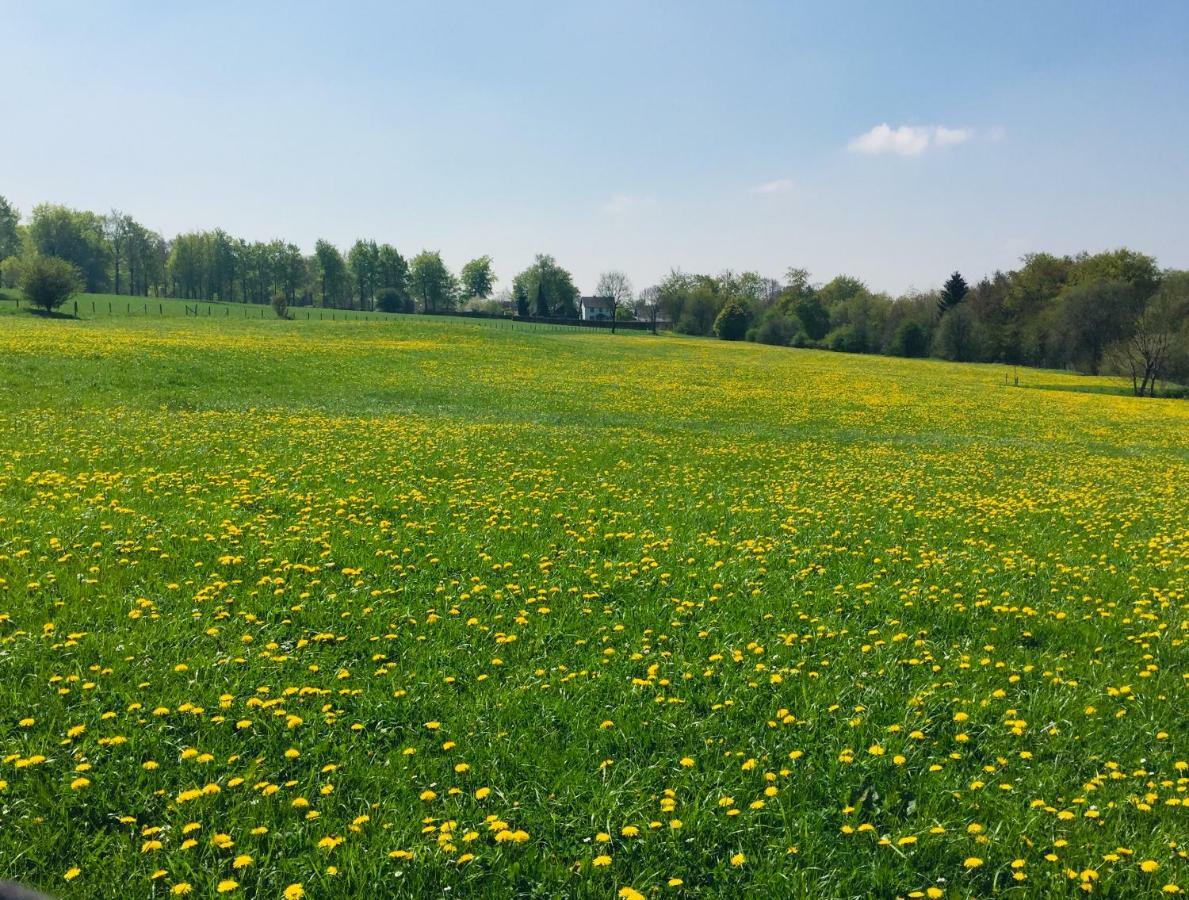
105,306
428,606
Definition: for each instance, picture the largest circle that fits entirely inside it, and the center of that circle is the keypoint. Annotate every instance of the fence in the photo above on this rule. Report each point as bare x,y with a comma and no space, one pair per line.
607,324
208,309
604,324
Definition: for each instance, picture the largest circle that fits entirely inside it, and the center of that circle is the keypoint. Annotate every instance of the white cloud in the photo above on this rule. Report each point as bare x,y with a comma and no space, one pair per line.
908,140
779,186
946,136
625,203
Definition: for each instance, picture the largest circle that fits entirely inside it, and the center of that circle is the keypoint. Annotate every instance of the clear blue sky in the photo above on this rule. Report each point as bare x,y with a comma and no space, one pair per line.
632,135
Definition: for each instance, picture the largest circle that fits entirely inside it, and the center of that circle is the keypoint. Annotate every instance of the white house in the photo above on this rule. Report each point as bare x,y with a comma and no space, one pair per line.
592,308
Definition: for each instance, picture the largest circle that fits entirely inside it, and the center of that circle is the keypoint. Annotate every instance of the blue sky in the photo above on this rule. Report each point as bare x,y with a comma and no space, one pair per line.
631,135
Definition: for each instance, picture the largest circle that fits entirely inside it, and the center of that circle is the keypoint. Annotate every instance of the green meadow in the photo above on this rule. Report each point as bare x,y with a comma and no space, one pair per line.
409,606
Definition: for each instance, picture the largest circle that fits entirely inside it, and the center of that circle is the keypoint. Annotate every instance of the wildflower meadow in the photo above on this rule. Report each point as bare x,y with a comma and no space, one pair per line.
429,607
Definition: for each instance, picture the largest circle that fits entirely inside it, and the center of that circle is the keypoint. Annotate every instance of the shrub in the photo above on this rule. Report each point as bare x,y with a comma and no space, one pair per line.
909,340
731,324
846,339
814,317
10,272
280,306
958,336
803,341
775,328
389,300
49,282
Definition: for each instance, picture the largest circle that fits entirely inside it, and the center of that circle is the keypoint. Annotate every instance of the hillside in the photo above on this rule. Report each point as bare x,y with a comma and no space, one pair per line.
425,604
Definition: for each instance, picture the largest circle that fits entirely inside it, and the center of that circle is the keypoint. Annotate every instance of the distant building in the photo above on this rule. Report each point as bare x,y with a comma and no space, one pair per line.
596,308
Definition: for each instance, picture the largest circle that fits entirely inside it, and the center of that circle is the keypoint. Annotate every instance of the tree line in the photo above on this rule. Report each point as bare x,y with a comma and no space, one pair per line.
114,253
1113,312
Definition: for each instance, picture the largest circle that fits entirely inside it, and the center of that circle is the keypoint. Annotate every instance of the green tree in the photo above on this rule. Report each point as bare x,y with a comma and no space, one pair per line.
117,228
909,340
1157,343
796,282
1030,294
49,282
392,272
10,237
551,288
776,327
1136,269
364,260
617,286
1086,318
732,320
431,283
477,280
390,300
952,293
224,260
700,306
74,236
813,315
521,297
541,303
290,269
672,295
958,336
858,322
838,290
146,255
332,273
280,305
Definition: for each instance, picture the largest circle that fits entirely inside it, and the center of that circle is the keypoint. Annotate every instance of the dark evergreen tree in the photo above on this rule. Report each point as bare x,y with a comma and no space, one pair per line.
541,307
952,292
521,296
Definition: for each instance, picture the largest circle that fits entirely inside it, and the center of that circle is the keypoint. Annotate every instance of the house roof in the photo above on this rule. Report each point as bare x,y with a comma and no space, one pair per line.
596,302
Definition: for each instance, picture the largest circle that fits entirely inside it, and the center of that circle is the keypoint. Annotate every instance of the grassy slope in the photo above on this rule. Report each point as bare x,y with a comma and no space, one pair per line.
100,306
588,558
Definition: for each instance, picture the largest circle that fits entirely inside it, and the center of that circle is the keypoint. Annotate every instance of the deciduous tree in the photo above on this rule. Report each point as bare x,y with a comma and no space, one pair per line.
431,283
10,238
477,280
550,287
47,281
